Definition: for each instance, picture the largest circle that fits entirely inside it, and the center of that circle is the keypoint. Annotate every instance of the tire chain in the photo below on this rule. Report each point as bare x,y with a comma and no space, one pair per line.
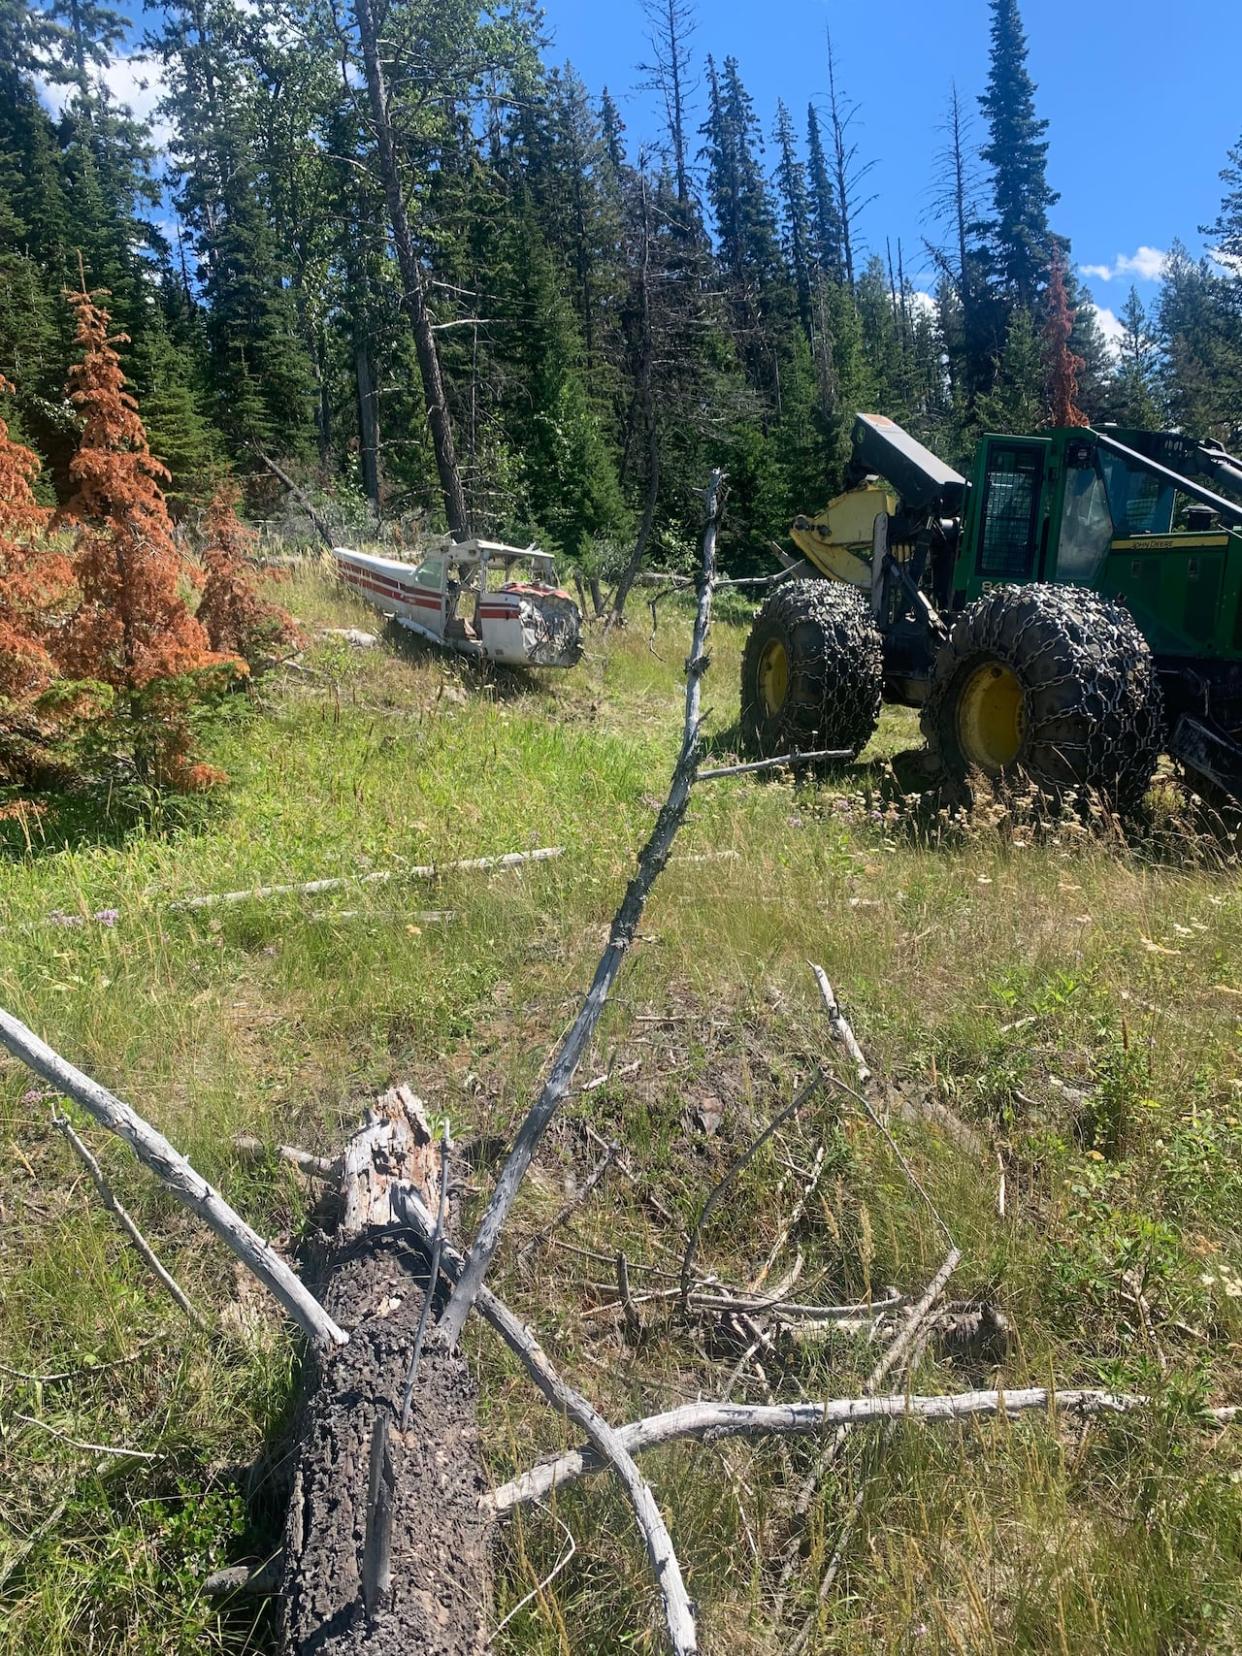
835,684
1109,734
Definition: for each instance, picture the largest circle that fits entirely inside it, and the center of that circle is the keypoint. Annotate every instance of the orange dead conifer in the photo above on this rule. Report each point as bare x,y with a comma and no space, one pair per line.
236,616
1064,366
34,579
132,630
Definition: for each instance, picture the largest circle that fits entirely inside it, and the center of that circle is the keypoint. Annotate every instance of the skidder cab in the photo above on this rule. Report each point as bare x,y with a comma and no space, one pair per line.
1067,612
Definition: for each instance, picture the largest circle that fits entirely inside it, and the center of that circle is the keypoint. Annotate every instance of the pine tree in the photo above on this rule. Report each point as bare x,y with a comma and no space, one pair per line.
672,25
848,171
795,202
131,633
1200,335
1015,402
1226,228
168,384
571,479
1016,151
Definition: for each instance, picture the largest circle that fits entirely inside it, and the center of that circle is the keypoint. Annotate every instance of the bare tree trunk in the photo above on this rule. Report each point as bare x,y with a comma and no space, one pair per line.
413,298
368,421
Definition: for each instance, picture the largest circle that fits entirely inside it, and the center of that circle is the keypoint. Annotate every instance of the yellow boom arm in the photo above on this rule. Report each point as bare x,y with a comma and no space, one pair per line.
838,539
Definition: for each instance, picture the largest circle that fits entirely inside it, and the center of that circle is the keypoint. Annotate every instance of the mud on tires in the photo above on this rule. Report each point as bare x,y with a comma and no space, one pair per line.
812,671
1090,714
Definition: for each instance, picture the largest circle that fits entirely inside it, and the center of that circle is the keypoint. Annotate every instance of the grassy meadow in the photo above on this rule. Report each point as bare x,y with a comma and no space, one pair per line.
1073,995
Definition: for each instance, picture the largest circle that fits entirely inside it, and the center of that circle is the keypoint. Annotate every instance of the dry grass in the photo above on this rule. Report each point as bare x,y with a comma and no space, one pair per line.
1075,997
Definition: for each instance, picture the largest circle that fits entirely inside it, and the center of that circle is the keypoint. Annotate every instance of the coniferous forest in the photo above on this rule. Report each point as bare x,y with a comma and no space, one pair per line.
393,249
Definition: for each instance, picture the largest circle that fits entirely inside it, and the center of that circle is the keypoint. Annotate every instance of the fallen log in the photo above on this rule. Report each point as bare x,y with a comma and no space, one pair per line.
386,1546
605,1440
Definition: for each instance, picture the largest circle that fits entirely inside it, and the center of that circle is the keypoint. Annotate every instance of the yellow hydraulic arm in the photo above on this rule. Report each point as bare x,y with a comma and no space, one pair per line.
838,539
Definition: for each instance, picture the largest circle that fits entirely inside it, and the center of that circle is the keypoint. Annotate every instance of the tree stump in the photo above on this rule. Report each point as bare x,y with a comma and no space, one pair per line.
386,1548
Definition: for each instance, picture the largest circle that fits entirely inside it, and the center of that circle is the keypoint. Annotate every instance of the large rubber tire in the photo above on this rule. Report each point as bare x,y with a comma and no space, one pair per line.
828,695
1087,709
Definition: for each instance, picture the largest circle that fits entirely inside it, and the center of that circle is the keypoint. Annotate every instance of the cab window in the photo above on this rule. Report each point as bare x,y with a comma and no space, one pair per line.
1086,523
1012,488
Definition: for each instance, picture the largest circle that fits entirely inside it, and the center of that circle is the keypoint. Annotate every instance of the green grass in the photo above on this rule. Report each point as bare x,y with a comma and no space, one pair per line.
1076,998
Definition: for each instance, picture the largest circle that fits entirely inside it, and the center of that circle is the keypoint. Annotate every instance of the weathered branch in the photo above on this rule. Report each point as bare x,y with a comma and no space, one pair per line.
177,1175
783,761
417,871
115,1207
624,927
839,1024
604,1439
320,1167
722,1420
301,496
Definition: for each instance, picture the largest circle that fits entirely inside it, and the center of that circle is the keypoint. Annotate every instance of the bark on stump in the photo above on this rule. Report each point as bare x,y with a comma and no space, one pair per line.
439,1594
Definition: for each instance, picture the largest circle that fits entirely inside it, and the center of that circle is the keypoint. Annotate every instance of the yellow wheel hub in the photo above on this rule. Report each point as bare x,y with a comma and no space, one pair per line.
991,717
774,676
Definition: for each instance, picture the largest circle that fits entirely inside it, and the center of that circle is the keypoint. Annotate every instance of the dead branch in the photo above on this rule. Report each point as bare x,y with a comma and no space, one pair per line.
300,495
377,1543
715,1421
743,1161
319,1167
624,926
120,1450
633,1323
177,1175
562,1561
783,761
417,871
795,1218
114,1206
604,1439
243,1580
839,1024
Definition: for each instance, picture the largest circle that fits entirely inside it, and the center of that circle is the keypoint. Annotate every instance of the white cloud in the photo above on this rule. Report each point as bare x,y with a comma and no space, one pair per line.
1146,264
136,81
925,302
1110,327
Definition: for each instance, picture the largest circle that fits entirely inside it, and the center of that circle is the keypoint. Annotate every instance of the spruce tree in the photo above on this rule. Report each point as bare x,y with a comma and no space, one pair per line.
796,210
571,479
1015,402
825,218
1135,394
1016,151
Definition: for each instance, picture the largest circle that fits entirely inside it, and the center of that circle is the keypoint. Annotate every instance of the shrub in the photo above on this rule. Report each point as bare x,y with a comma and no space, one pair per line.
237,619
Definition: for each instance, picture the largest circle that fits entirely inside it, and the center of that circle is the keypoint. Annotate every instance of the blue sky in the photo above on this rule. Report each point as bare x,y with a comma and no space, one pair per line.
1137,94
